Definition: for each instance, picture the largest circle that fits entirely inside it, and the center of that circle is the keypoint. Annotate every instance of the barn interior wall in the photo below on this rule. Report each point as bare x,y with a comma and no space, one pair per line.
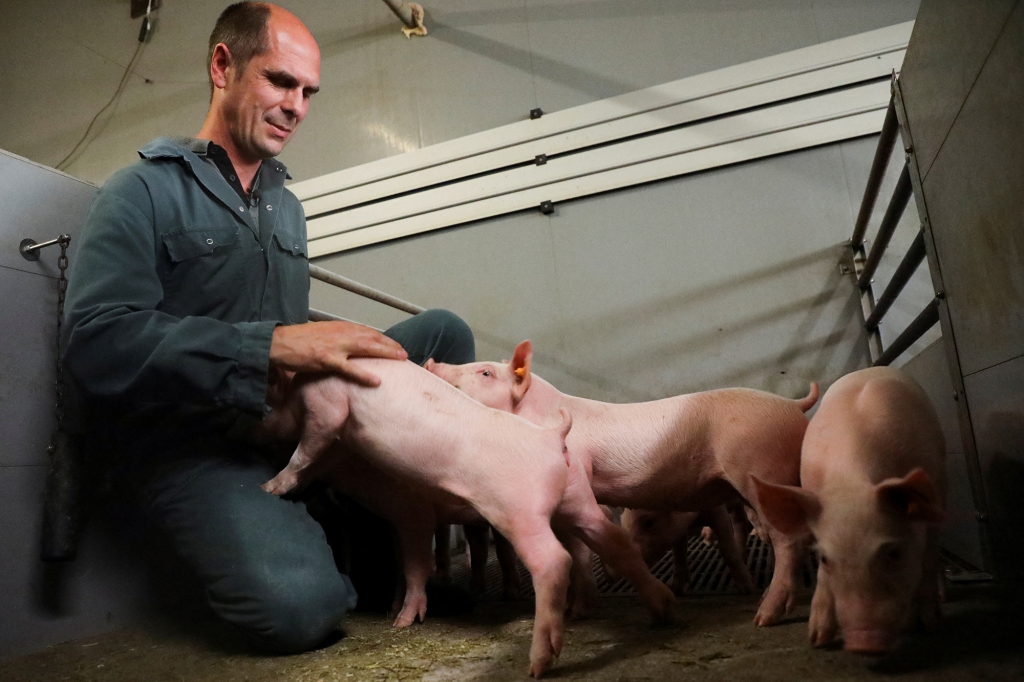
729,277
102,588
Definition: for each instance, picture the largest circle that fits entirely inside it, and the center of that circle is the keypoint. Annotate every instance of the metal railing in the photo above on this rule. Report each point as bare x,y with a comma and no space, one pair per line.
866,266
328,277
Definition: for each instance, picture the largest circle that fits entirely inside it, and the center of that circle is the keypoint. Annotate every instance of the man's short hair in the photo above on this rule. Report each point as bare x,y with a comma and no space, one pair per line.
243,28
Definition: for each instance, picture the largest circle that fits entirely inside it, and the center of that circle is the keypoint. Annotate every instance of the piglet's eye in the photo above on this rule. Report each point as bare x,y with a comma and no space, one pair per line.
486,372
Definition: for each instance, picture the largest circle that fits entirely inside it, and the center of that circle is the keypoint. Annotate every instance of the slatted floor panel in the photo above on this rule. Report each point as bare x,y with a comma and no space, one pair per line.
708,573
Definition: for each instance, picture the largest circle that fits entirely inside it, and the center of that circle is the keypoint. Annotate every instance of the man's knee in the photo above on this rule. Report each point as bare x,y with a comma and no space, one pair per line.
438,334
295,614
455,341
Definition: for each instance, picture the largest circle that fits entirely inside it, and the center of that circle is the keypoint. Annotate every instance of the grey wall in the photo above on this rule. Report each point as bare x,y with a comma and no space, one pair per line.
42,604
730,277
486,63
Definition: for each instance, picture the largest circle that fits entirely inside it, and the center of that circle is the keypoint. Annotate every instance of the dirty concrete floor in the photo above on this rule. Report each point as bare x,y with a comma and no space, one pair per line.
713,639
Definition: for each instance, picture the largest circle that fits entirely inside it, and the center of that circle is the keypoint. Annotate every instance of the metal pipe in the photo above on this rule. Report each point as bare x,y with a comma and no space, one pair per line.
402,11
908,266
329,277
322,316
28,247
882,153
922,323
898,203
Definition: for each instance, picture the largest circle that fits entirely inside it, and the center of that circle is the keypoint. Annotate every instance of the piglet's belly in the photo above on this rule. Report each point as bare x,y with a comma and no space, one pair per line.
670,495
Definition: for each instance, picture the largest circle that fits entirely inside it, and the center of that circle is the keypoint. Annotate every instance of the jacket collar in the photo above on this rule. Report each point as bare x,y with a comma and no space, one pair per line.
183,147
191,150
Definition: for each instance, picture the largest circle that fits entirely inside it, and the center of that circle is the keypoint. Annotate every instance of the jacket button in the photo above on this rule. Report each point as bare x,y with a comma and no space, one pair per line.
209,241
242,209
269,207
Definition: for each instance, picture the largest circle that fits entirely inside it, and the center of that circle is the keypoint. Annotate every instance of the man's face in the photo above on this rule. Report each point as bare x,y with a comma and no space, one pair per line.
267,101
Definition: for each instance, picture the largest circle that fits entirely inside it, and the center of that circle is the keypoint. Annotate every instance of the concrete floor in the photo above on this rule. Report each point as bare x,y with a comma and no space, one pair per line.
713,639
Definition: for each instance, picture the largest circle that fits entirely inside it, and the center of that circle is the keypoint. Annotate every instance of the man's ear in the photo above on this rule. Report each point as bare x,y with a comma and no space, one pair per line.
788,508
914,495
220,62
520,366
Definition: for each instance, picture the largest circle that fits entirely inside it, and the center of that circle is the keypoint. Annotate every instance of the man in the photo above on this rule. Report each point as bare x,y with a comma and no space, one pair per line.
191,282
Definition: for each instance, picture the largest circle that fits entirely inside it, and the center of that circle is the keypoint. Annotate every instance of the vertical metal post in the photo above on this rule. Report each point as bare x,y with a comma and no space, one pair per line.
974,474
908,266
898,203
882,152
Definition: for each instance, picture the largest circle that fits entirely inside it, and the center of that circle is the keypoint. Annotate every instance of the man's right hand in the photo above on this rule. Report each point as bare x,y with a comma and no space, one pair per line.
329,347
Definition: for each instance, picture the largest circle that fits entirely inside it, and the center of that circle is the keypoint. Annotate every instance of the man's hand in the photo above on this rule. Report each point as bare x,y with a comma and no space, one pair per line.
329,347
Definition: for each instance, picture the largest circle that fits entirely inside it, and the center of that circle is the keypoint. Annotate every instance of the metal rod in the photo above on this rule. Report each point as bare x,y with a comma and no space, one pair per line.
322,316
915,330
29,247
329,277
899,280
898,203
402,12
882,153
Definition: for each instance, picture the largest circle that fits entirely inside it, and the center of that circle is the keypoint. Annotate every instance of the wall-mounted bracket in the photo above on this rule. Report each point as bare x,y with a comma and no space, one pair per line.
29,249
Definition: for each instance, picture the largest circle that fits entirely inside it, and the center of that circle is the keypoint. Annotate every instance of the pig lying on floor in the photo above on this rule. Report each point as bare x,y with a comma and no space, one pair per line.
452,450
686,453
874,490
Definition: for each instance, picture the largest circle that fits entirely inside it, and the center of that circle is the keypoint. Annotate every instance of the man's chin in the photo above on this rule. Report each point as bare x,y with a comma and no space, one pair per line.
270,148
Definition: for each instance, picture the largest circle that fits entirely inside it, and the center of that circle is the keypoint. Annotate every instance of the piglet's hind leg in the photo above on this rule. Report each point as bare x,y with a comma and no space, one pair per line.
325,413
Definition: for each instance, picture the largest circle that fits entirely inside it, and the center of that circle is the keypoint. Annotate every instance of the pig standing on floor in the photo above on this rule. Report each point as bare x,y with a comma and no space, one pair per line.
656,532
874,491
449,448
686,453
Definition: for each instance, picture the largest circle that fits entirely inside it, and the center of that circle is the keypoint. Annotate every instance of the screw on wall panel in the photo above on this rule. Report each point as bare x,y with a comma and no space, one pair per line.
547,207
536,113
540,159
844,269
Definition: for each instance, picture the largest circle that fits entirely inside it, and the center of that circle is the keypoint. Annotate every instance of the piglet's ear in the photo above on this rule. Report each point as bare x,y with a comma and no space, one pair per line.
788,508
520,367
914,495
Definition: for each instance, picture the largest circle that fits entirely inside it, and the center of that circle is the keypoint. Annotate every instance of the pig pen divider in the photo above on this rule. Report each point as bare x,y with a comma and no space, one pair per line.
936,311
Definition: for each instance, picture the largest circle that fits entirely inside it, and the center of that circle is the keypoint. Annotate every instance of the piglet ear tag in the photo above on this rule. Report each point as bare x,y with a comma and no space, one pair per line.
521,372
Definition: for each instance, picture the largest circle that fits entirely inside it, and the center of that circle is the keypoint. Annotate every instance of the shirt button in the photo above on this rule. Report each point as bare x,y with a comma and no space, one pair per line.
209,241
242,209
269,207
232,177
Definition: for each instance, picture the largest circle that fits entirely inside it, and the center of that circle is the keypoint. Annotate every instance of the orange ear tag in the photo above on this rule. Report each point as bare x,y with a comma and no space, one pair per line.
520,372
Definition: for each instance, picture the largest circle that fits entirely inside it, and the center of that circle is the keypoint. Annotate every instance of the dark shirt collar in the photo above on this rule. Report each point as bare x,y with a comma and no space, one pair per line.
178,147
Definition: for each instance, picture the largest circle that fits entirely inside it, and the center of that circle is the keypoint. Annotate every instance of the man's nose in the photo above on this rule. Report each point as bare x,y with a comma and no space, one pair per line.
294,104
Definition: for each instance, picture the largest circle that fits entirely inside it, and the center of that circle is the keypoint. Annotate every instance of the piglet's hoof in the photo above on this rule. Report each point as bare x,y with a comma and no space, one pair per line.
281,484
773,608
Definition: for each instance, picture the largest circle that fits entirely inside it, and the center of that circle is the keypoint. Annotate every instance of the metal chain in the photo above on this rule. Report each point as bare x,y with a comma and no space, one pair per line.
62,288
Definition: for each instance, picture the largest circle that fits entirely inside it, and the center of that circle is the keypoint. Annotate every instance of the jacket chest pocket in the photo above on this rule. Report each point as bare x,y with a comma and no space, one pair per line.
211,272
290,279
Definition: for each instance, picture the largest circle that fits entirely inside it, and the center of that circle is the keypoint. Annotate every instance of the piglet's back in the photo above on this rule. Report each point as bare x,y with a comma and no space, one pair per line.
875,422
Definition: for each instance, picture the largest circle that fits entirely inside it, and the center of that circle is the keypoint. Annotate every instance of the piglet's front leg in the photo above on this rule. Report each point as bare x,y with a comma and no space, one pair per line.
325,409
822,627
